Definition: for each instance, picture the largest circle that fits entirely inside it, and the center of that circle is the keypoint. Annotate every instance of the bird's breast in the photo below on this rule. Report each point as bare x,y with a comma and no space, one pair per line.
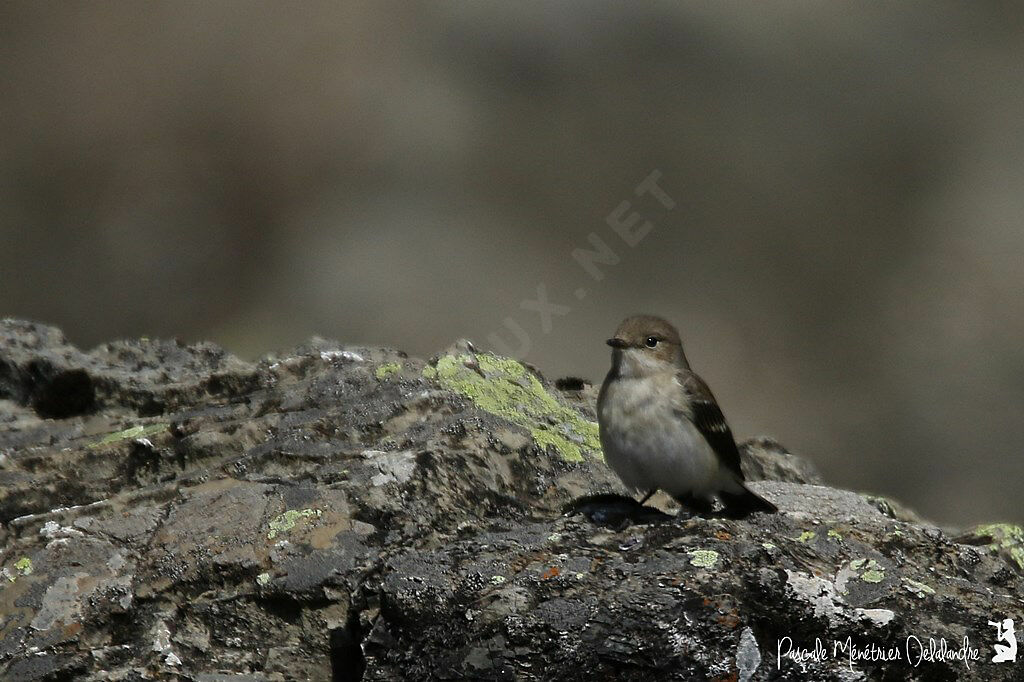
636,400
647,442
636,416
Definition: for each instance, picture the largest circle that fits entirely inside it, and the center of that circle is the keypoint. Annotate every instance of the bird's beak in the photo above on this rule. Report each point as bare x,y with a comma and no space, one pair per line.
616,343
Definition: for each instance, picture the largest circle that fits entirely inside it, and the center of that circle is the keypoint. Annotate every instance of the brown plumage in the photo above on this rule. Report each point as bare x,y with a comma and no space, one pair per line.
661,426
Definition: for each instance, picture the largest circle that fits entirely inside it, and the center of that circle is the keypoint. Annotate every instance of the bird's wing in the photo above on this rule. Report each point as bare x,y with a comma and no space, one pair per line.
698,404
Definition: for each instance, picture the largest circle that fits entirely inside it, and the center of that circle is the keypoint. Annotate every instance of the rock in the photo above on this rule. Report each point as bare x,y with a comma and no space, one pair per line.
764,459
343,513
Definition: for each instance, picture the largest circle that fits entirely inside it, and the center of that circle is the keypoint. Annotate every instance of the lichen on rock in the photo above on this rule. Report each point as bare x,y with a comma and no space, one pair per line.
387,369
703,558
505,388
1004,539
352,513
283,523
140,431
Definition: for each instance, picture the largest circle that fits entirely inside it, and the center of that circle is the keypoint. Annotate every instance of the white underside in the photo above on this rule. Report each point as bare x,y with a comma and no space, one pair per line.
650,446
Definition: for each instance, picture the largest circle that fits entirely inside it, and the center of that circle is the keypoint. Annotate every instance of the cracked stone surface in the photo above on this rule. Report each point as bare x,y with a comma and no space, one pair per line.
343,513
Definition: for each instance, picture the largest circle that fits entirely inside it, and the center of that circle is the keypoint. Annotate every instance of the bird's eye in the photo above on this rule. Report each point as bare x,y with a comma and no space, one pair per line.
651,342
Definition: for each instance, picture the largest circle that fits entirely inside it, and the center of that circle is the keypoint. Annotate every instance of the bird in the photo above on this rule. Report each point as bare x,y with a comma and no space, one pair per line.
661,427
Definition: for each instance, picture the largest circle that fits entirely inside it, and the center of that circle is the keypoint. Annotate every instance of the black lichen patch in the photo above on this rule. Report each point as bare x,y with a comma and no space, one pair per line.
571,384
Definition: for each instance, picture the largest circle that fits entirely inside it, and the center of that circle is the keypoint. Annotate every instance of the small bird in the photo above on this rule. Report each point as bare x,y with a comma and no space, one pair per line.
661,428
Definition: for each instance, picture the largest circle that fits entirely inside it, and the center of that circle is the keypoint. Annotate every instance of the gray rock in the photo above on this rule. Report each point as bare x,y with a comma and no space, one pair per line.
352,513
764,459
748,656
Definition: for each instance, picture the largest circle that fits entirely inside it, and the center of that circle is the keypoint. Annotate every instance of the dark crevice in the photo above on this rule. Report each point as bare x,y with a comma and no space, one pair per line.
347,661
67,394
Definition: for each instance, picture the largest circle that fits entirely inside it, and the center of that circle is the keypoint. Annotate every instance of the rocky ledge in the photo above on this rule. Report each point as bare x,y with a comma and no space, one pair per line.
343,513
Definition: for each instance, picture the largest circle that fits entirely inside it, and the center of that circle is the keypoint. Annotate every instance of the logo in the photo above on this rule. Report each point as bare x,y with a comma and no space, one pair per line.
1004,633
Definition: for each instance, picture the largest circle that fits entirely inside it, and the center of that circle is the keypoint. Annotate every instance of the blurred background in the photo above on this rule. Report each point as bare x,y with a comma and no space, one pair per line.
845,257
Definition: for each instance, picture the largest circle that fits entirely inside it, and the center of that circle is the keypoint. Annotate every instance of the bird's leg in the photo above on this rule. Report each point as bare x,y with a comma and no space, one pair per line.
695,504
648,496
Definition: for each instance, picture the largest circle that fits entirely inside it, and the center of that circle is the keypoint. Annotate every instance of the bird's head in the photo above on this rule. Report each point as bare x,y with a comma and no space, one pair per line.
645,344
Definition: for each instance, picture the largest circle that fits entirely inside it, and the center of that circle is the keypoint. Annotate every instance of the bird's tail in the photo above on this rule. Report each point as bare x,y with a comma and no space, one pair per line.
739,505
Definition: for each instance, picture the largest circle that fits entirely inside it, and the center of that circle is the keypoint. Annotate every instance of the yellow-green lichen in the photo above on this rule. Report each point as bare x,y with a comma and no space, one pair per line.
703,558
873,576
23,566
806,536
133,432
387,369
874,572
282,523
834,534
1001,538
918,588
506,389
262,579
768,545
